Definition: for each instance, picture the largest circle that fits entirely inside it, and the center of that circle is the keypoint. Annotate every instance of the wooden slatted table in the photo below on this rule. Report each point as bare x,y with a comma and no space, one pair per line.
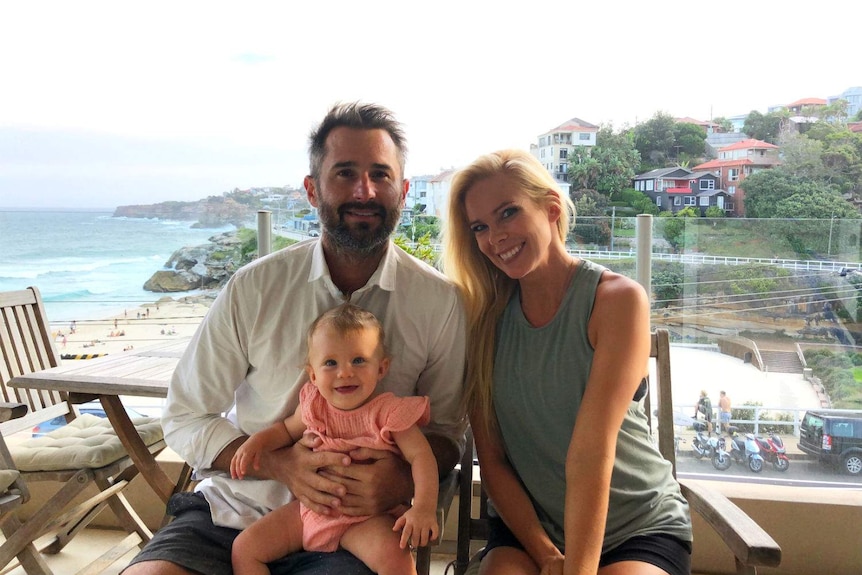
145,372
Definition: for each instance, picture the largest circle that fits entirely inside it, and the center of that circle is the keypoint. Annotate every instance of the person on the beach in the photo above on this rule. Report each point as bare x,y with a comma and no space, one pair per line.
341,405
558,348
246,361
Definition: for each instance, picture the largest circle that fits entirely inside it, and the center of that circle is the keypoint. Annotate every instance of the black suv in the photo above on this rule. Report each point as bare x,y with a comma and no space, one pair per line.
835,437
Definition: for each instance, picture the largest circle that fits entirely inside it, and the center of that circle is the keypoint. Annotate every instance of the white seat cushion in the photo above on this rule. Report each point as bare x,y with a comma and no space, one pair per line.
89,442
7,477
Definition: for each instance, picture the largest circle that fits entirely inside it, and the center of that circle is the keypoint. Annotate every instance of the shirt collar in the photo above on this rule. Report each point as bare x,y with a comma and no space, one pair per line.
383,277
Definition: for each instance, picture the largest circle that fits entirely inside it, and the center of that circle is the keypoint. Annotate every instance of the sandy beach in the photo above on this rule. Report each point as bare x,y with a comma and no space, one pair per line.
163,319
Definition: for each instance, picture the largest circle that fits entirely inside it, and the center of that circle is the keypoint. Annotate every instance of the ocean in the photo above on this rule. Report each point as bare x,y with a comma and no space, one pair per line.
89,265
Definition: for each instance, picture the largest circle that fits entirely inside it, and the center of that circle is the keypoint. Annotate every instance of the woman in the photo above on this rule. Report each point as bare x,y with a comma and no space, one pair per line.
558,347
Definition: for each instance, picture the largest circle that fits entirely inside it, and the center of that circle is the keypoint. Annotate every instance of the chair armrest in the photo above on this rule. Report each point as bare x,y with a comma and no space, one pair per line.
750,544
12,411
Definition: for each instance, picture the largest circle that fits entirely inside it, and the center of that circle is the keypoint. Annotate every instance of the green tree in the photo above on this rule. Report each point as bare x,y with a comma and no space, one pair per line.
725,124
608,167
667,286
776,193
673,226
690,140
802,156
589,203
641,203
654,139
766,127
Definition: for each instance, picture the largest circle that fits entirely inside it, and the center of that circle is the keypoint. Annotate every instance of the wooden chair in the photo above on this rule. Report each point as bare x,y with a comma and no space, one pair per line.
13,494
90,453
751,546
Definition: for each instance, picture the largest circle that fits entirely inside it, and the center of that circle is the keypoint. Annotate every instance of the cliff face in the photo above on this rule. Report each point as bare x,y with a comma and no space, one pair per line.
212,212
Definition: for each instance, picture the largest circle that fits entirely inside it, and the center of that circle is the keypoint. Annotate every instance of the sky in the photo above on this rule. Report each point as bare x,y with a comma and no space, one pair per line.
121,102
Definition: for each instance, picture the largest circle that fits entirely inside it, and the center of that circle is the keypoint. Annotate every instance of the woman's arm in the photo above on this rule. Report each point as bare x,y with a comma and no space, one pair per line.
619,333
510,500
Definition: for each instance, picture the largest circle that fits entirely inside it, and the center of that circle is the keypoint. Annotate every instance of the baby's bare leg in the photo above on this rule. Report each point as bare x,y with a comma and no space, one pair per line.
271,537
376,545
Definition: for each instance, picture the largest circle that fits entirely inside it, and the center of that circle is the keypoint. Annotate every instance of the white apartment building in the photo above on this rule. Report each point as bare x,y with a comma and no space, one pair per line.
431,192
556,147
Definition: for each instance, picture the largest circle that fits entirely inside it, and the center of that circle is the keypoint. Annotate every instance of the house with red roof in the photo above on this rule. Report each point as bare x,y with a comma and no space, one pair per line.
797,106
738,161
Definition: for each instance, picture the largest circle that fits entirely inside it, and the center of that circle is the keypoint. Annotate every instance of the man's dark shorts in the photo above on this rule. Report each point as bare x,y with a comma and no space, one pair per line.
192,541
664,551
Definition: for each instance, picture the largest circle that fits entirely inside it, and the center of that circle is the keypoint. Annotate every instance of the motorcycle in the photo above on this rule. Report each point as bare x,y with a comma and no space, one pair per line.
773,451
704,445
745,450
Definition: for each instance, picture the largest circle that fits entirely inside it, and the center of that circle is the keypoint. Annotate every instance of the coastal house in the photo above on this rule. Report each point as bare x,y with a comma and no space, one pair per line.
735,163
557,146
676,188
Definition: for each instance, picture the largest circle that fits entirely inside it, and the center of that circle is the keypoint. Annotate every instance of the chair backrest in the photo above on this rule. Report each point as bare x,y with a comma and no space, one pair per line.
660,351
26,346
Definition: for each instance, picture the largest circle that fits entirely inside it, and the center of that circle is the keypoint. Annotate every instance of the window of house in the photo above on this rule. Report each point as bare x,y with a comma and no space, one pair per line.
658,201
564,153
731,190
732,174
704,201
707,184
650,185
728,206
690,201
677,201
583,137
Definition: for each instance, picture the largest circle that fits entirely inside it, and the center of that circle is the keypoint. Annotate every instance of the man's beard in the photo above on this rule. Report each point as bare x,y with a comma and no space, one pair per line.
361,238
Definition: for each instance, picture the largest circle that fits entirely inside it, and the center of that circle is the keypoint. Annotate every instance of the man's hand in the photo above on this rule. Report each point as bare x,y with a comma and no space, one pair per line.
376,481
297,467
299,470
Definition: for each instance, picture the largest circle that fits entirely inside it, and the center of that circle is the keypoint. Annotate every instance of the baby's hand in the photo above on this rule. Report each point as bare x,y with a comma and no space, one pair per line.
418,527
241,459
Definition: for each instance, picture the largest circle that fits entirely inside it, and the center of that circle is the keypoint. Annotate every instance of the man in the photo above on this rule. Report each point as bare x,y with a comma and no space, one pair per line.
723,411
247,358
704,406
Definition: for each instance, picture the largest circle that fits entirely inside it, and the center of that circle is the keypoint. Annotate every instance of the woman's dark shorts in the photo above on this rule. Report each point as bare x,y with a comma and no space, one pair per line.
192,541
664,551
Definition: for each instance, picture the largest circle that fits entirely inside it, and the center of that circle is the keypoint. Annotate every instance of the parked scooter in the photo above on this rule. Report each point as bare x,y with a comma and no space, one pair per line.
744,450
705,445
772,449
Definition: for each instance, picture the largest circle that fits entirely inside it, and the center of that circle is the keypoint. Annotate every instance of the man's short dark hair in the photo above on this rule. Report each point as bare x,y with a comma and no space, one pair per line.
360,116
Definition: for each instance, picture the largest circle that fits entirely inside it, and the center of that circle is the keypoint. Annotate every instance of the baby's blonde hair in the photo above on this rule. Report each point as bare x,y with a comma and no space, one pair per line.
345,319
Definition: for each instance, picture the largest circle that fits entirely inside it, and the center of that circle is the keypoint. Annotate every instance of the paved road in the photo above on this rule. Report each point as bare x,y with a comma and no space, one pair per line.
800,473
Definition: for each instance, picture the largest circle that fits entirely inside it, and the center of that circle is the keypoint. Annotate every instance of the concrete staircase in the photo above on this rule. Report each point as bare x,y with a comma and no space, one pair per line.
781,361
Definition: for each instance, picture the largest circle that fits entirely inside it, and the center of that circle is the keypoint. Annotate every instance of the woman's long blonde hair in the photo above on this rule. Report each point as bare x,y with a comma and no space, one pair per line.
487,290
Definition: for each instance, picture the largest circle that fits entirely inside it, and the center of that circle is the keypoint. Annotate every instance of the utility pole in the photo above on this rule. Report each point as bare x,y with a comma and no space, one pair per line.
613,220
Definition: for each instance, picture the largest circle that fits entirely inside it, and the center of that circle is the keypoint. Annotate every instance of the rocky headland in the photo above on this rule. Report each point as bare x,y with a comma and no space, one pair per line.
207,266
212,212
